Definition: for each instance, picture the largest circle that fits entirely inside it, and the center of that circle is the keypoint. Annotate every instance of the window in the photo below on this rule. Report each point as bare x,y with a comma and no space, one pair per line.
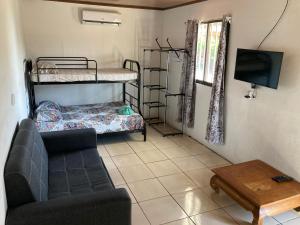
207,50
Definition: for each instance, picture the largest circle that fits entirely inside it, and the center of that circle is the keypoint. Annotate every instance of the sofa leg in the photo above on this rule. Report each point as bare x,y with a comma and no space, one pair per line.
145,133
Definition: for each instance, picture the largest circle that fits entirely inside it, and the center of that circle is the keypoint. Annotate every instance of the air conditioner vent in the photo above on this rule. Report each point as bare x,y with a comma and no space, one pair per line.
99,17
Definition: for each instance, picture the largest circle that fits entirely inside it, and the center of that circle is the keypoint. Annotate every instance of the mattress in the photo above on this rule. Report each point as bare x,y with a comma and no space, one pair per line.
112,74
79,75
104,118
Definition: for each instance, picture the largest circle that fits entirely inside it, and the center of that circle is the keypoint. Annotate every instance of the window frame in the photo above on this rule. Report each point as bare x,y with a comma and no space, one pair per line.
203,82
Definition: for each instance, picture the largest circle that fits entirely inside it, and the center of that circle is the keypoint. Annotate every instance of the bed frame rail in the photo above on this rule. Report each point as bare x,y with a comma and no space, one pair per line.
65,63
135,102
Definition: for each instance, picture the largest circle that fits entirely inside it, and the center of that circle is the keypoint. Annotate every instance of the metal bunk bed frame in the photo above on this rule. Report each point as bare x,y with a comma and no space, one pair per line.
84,63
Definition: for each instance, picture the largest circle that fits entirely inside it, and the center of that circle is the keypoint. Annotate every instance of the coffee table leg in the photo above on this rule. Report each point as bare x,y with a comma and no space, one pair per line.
213,183
257,219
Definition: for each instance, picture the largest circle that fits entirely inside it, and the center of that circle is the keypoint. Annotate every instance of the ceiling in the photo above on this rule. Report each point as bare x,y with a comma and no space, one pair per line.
143,4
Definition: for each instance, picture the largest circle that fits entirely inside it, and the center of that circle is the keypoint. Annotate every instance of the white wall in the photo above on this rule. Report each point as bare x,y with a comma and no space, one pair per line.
54,29
12,82
266,128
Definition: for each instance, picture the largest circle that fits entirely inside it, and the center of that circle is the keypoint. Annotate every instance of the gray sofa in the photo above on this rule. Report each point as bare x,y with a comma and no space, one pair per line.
58,178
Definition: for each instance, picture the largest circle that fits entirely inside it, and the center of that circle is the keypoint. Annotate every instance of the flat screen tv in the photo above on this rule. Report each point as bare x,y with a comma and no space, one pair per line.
258,67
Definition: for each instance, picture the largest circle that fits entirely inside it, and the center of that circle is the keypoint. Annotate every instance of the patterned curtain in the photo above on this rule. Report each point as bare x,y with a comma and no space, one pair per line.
188,84
215,127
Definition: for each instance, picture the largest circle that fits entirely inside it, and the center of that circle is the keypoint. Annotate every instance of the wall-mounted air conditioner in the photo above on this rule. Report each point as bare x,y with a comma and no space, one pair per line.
101,17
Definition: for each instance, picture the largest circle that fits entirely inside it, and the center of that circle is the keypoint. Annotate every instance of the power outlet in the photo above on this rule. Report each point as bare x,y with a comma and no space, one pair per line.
12,99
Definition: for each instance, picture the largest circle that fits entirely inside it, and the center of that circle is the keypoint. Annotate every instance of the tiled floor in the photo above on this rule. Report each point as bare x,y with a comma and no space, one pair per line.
168,182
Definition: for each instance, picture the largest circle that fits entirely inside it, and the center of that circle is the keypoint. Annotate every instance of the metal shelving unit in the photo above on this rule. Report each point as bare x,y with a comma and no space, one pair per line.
162,90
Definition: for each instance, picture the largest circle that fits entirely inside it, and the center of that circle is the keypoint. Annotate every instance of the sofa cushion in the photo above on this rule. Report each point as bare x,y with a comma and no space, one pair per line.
26,170
73,173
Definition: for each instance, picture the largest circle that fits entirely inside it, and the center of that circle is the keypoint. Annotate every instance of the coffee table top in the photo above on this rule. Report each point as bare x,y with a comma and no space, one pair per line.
253,180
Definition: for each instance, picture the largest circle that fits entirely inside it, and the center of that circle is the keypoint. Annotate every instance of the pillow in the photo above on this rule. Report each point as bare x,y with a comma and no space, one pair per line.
45,68
126,110
48,105
49,116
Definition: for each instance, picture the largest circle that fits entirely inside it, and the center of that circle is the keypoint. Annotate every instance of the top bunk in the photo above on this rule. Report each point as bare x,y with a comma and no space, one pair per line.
70,70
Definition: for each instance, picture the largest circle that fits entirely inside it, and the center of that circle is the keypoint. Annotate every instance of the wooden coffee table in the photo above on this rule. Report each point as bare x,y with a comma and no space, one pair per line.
251,185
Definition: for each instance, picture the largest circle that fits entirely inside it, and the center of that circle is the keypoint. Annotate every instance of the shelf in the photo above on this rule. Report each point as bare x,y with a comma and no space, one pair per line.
166,130
154,87
174,50
173,95
151,118
155,69
155,122
165,49
152,50
161,89
154,104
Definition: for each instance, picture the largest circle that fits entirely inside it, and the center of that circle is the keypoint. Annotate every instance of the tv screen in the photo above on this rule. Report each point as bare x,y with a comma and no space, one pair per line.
258,67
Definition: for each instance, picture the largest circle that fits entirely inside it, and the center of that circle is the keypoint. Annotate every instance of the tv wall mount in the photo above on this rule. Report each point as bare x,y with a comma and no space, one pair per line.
252,93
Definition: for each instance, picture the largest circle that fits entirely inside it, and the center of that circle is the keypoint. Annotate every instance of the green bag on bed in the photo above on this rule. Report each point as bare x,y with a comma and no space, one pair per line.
126,110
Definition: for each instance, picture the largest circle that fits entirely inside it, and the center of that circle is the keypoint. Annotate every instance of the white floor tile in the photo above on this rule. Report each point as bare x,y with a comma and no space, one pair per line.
109,164
185,221
151,156
244,217
221,198
116,177
126,160
178,165
138,217
177,183
216,217
188,163
147,189
195,202
201,177
293,222
211,159
162,210
102,151
163,168
175,152
118,149
284,217
136,173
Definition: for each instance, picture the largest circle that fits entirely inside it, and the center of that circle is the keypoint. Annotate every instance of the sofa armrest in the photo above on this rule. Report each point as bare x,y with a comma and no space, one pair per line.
69,140
105,208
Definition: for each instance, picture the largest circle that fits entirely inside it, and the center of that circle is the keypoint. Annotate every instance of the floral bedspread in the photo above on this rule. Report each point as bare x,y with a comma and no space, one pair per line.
103,117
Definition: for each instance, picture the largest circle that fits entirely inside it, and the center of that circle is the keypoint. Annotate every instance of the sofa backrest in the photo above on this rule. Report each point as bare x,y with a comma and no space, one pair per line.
26,169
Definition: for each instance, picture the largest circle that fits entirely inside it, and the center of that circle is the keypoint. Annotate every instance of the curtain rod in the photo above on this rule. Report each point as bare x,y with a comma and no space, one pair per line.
212,21
209,21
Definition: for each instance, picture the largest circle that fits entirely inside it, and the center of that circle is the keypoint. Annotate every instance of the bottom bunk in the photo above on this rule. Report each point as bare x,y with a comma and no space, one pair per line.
105,118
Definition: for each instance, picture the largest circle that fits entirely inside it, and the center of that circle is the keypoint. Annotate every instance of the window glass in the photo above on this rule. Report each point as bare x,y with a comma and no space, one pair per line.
207,50
201,51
